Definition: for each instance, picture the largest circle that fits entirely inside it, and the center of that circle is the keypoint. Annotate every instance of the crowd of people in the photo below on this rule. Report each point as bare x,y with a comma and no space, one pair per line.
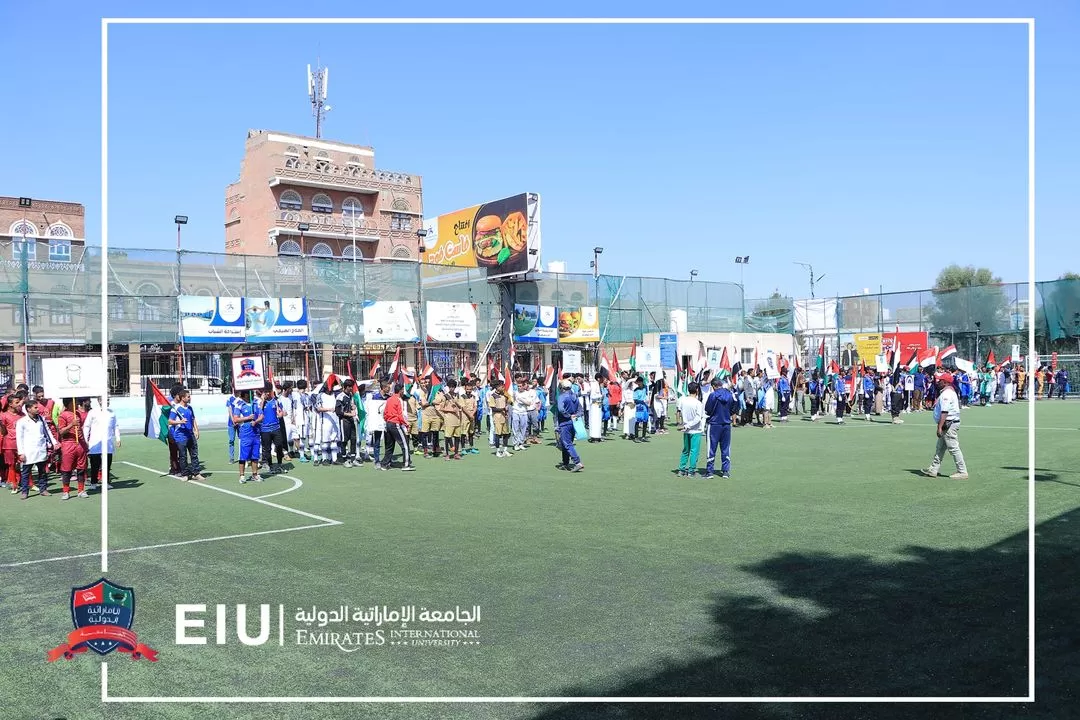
42,437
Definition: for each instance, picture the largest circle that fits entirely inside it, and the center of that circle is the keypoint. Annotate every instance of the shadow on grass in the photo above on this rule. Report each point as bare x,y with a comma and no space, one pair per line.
936,623
1045,475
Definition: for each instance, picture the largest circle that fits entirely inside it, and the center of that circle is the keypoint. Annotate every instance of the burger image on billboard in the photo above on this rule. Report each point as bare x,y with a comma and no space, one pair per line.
488,241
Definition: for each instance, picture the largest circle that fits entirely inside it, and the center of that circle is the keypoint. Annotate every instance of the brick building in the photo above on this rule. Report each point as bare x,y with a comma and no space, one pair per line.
302,195
55,232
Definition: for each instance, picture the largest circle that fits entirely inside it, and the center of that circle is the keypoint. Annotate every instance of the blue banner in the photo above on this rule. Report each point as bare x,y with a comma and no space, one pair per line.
535,324
669,350
237,320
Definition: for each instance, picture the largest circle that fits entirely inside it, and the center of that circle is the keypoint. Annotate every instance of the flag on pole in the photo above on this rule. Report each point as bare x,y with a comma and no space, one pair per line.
928,357
990,360
946,353
633,357
702,360
548,375
428,370
394,364
605,366
436,385
821,359
348,366
157,413
615,362
795,360
513,355
756,366
270,374
856,381
1053,360
913,362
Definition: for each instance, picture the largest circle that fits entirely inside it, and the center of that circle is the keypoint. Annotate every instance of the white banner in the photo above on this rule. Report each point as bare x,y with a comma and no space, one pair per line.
815,314
772,369
571,360
1016,357
648,359
73,377
389,321
451,322
248,372
882,363
714,356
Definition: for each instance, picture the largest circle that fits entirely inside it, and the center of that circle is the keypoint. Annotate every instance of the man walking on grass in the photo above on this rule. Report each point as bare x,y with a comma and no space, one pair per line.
569,408
947,417
718,409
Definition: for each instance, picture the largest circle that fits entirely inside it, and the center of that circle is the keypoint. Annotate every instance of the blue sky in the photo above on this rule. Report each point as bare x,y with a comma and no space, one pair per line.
877,153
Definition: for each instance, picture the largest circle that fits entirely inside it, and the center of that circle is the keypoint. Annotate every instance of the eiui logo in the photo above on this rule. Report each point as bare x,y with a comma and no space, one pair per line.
103,614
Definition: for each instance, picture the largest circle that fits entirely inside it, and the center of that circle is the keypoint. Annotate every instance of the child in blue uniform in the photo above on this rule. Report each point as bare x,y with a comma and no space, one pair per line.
245,419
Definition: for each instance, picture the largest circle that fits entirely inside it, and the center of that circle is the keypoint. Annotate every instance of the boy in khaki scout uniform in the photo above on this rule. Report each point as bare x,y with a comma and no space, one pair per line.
467,402
431,421
498,402
447,405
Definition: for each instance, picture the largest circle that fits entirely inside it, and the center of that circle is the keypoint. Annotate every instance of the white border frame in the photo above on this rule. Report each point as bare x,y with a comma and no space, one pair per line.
1030,22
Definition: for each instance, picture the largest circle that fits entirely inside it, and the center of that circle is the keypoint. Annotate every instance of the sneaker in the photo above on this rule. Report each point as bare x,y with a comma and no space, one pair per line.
408,468
725,476
257,478
929,473
959,476
348,463
242,480
44,493
507,453
316,463
709,476
65,495
83,494
25,495
200,476
457,456
380,466
578,468
14,491
174,476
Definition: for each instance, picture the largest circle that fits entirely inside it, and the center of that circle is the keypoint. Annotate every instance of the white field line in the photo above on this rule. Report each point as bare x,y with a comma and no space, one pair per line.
323,522
297,483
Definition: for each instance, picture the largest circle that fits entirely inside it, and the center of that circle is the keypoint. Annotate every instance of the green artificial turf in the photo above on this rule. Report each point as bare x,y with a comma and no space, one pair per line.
825,566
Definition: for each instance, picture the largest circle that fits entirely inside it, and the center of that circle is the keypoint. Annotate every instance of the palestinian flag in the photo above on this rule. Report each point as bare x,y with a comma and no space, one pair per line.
683,388
756,366
856,383
633,357
702,361
436,386
725,364
833,368
990,360
427,371
1053,360
913,361
821,359
157,412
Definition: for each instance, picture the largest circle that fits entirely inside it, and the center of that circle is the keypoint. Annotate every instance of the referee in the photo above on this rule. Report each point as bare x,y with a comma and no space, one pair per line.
947,416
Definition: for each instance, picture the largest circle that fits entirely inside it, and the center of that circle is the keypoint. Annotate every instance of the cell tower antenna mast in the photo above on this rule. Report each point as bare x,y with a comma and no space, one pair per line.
317,83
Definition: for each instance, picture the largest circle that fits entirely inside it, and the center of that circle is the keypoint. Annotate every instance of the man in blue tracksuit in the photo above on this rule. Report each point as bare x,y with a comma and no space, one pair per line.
718,411
569,407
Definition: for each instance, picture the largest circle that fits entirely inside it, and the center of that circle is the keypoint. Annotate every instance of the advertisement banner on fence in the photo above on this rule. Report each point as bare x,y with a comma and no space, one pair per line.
272,320
868,345
389,321
535,324
909,342
248,372
502,236
579,325
211,319
451,322
73,377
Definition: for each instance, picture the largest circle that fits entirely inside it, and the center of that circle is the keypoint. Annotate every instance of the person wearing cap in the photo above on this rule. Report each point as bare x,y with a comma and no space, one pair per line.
718,410
947,417
568,408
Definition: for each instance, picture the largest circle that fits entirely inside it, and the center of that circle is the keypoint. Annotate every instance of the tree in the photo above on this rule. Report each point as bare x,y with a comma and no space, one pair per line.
966,298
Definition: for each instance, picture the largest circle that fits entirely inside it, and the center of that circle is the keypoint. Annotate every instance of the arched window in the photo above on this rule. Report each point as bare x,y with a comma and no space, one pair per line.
289,247
322,161
350,252
352,208
322,203
290,200
401,204
291,162
322,250
401,252
60,229
291,151
23,229
148,295
355,160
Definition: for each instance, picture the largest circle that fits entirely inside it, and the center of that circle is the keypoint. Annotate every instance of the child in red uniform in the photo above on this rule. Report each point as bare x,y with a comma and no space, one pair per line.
72,450
8,444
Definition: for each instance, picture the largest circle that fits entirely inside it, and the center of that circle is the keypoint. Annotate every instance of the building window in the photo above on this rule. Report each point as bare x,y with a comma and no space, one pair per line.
400,222
747,356
355,160
116,308
322,203
352,208
291,151
401,204
17,315
148,295
322,161
292,163
290,200
60,251
322,250
59,307
60,229
350,253
289,247
401,252
17,250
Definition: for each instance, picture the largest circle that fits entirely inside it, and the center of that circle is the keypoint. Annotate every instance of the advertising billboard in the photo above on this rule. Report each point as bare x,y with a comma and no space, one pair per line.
451,322
579,325
535,324
909,342
502,236
211,319
276,319
389,321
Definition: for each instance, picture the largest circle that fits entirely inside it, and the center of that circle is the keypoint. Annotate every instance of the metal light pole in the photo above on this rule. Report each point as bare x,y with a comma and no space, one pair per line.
179,220
742,261
420,235
596,251
24,280
813,280
978,327
693,274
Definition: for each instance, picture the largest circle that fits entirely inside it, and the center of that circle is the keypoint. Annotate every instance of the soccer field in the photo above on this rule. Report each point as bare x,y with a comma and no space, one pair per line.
825,566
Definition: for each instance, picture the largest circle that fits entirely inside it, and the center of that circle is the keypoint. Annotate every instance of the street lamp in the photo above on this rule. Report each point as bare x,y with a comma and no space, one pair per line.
978,327
179,220
742,261
421,235
303,228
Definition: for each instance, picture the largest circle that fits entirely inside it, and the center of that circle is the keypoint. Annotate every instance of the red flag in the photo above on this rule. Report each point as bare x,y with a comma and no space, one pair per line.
856,380
756,366
833,367
633,357
615,362
428,370
394,365
1053,360
348,364
270,374
375,369
946,353
990,358
795,359
725,364
783,362
548,376
490,368
513,355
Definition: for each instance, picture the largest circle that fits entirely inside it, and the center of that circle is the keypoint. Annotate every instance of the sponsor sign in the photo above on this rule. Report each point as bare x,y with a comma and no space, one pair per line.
248,372
868,345
579,325
212,319
571,361
270,320
669,350
535,324
648,359
389,321
451,322
502,236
